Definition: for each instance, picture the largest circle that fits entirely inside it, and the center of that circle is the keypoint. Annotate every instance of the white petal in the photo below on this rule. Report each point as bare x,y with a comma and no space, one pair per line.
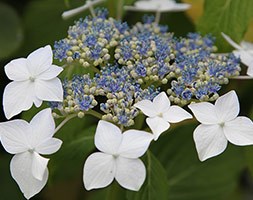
250,70
239,131
246,45
49,90
49,146
157,125
17,97
14,136
108,137
98,171
40,60
176,114
177,7
204,112
134,143
227,106
147,107
209,140
245,56
17,70
130,173
231,42
21,171
43,126
50,73
37,102
39,166
161,103
162,6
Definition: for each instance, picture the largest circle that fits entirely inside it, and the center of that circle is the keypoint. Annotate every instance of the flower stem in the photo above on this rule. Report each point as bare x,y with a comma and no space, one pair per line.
91,9
96,70
242,77
120,9
94,113
157,16
64,122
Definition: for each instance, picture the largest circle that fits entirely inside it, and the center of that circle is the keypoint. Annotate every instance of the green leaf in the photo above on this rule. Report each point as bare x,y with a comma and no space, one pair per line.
190,179
11,34
249,158
43,23
156,184
78,143
9,188
229,16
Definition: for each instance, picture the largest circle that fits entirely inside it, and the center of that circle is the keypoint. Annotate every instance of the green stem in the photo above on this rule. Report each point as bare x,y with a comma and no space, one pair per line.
91,9
121,128
94,113
64,122
120,9
242,77
157,16
94,69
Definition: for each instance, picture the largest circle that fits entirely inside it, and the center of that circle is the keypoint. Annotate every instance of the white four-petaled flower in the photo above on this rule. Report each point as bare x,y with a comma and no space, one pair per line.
161,5
244,51
220,124
160,113
34,79
27,141
119,158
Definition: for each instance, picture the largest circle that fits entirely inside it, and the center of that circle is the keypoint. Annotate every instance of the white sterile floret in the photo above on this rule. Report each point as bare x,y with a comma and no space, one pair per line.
244,51
220,124
76,11
159,5
160,113
119,158
34,79
27,141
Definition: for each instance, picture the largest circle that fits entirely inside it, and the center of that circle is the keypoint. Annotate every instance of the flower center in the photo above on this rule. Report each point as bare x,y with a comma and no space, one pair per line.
160,115
32,79
31,150
115,156
222,124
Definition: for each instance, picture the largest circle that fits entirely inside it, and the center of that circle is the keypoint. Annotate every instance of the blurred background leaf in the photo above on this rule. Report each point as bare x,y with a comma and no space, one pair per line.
156,183
11,32
190,179
230,17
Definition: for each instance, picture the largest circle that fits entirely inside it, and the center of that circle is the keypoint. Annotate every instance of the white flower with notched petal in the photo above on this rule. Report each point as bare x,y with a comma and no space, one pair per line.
34,80
220,124
159,5
119,158
244,51
27,141
160,113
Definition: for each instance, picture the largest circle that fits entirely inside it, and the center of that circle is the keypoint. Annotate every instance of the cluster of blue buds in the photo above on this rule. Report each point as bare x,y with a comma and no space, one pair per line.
199,71
79,96
90,40
134,63
121,92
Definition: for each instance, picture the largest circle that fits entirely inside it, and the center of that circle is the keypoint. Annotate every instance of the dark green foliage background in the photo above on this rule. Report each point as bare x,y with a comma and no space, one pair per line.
173,169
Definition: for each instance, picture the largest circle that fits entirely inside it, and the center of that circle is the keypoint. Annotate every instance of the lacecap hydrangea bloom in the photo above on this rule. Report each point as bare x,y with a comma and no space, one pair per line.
122,74
34,79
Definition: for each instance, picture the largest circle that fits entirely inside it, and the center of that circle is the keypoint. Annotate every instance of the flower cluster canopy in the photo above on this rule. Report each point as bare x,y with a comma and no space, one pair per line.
134,72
